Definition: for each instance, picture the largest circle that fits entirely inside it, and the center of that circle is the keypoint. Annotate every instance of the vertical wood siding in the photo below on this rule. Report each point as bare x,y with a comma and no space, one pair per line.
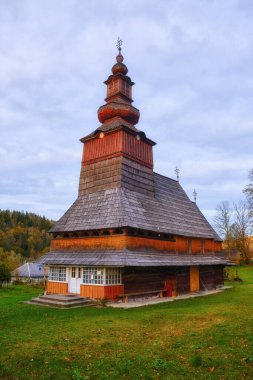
196,246
148,279
217,246
209,245
181,245
100,292
112,242
57,287
211,276
183,280
132,242
106,146
117,143
137,148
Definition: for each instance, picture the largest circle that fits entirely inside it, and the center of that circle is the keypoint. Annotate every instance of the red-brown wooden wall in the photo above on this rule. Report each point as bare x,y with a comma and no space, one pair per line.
115,144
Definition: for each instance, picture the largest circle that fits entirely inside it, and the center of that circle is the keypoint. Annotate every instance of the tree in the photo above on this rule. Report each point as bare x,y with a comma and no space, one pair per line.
23,233
11,259
223,223
248,191
235,227
5,275
242,229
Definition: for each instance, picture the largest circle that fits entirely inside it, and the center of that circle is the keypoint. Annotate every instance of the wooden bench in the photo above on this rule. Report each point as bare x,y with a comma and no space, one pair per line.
126,295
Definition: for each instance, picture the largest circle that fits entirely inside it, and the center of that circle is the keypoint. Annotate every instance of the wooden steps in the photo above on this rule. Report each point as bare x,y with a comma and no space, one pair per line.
62,301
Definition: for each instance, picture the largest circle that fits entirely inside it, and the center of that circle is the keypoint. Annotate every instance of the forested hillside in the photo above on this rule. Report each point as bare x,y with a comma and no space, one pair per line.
23,236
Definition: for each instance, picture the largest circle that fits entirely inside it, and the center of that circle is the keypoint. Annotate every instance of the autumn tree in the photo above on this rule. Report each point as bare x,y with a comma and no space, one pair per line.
223,223
22,235
248,191
11,259
234,224
242,229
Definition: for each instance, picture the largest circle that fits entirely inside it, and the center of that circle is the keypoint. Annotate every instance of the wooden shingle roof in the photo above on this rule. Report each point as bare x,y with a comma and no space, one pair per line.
123,258
169,211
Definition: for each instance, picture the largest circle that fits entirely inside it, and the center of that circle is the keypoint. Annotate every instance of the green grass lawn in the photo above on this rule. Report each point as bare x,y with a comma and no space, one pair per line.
203,338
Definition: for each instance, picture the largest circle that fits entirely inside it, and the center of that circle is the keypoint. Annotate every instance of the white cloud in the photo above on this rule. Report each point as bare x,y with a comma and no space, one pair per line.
191,61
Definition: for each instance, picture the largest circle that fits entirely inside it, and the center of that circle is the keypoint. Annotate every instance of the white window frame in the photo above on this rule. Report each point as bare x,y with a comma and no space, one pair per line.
52,277
109,276
73,272
113,276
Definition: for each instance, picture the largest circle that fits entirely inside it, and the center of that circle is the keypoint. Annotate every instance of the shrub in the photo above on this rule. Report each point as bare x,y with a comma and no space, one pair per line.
231,274
5,275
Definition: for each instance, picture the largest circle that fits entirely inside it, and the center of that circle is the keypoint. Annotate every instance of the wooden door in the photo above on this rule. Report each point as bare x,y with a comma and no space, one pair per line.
170,287
75,280
194,279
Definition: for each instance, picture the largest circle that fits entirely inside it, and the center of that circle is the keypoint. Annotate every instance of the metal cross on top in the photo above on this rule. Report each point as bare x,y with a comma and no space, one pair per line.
119,44
177,171
195,195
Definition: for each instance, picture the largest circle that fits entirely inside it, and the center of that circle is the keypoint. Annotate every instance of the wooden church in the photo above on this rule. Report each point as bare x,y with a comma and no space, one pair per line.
130,231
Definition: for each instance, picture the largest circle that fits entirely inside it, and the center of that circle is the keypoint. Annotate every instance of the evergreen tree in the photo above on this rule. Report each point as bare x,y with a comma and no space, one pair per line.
5,275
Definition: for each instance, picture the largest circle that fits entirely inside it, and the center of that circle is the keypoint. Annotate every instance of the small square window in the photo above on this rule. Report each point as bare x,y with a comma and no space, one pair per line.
73,272
57,274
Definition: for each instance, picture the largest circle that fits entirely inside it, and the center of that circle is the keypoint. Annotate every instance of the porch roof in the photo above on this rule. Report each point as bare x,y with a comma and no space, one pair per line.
128,258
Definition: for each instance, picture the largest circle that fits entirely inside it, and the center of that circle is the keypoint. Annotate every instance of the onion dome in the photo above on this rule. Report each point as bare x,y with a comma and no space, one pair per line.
119,95
123,110
119,67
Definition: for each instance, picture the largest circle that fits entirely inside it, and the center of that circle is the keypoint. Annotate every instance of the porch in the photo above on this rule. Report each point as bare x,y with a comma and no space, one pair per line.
131,282
88,282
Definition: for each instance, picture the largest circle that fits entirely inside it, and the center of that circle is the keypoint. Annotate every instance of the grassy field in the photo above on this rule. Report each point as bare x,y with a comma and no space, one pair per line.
204,338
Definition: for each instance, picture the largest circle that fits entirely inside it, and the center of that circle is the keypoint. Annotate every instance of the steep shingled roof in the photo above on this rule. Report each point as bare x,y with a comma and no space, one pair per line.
170,211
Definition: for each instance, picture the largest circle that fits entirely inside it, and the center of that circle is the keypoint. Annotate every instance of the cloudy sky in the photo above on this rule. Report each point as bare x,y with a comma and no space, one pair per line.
192,64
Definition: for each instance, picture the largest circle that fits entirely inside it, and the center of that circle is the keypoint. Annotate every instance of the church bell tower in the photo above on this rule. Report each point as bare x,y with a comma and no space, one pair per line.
117,154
